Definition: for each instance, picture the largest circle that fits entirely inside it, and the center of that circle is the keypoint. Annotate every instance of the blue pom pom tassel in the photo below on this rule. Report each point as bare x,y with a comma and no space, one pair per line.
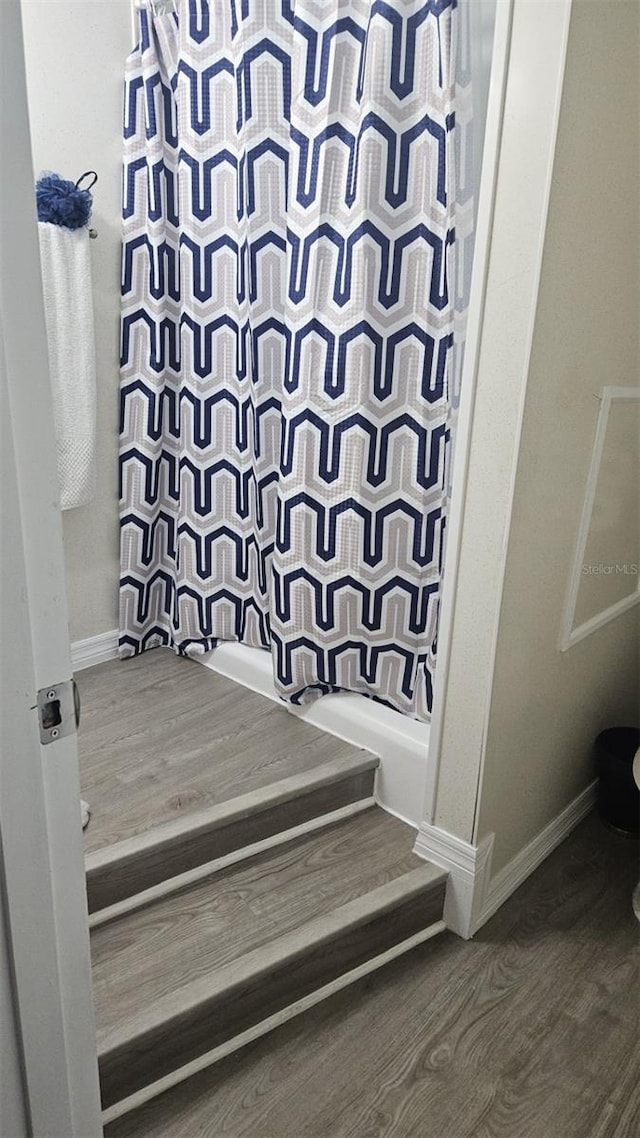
61,202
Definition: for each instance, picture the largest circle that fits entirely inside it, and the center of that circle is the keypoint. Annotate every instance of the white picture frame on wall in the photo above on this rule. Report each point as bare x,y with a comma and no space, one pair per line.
570,635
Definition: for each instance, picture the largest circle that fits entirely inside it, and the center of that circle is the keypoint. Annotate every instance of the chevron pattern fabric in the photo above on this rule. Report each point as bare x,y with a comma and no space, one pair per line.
288,321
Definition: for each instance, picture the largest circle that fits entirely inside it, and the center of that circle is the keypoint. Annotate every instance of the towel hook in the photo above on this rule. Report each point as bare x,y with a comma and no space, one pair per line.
93,233
87,174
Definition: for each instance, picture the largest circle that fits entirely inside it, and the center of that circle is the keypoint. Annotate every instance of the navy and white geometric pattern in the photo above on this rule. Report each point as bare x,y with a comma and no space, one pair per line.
287,336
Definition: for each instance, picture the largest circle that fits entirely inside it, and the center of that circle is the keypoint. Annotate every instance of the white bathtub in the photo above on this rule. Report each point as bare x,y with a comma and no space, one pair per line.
401,743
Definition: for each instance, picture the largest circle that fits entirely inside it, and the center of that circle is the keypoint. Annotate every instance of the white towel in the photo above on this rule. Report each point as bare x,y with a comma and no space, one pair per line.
68,307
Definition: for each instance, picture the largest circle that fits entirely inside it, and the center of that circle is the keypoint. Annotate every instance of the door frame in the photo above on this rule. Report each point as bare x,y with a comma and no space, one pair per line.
527,75
485,211
44,883
40,831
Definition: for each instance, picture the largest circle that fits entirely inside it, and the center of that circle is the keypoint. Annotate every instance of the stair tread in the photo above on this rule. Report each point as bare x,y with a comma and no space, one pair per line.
285,950
240,806
139,959
161,736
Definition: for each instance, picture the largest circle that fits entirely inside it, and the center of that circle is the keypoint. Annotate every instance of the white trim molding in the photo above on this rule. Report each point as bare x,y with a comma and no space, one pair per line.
473,895
94,650
462,449
516,871
570,635
468,868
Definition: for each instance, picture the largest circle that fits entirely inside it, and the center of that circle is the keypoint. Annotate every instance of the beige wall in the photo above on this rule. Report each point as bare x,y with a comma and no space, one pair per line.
75,54
547,706
611,564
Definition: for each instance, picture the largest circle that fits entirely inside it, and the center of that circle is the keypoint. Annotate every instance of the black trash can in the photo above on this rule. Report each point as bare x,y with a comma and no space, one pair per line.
618,795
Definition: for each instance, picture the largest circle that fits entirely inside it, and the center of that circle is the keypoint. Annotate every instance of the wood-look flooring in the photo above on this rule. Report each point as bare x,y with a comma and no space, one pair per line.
532,1030
148,954
249,993
161,736
195,839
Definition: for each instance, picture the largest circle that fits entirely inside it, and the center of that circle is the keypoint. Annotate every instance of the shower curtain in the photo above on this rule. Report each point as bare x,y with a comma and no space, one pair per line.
287,336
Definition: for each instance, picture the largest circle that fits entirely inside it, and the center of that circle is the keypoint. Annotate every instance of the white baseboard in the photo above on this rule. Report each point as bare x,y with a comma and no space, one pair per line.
512,875
468,868
473,895
94,650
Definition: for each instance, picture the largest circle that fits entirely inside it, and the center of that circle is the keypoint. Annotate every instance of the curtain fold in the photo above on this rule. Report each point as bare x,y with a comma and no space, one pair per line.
288,335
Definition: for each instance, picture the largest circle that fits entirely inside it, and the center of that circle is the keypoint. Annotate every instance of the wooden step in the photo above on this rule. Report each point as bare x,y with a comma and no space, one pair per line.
161,737
206,968
129,868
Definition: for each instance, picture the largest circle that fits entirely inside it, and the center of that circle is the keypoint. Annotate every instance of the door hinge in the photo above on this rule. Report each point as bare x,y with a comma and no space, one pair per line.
58,711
